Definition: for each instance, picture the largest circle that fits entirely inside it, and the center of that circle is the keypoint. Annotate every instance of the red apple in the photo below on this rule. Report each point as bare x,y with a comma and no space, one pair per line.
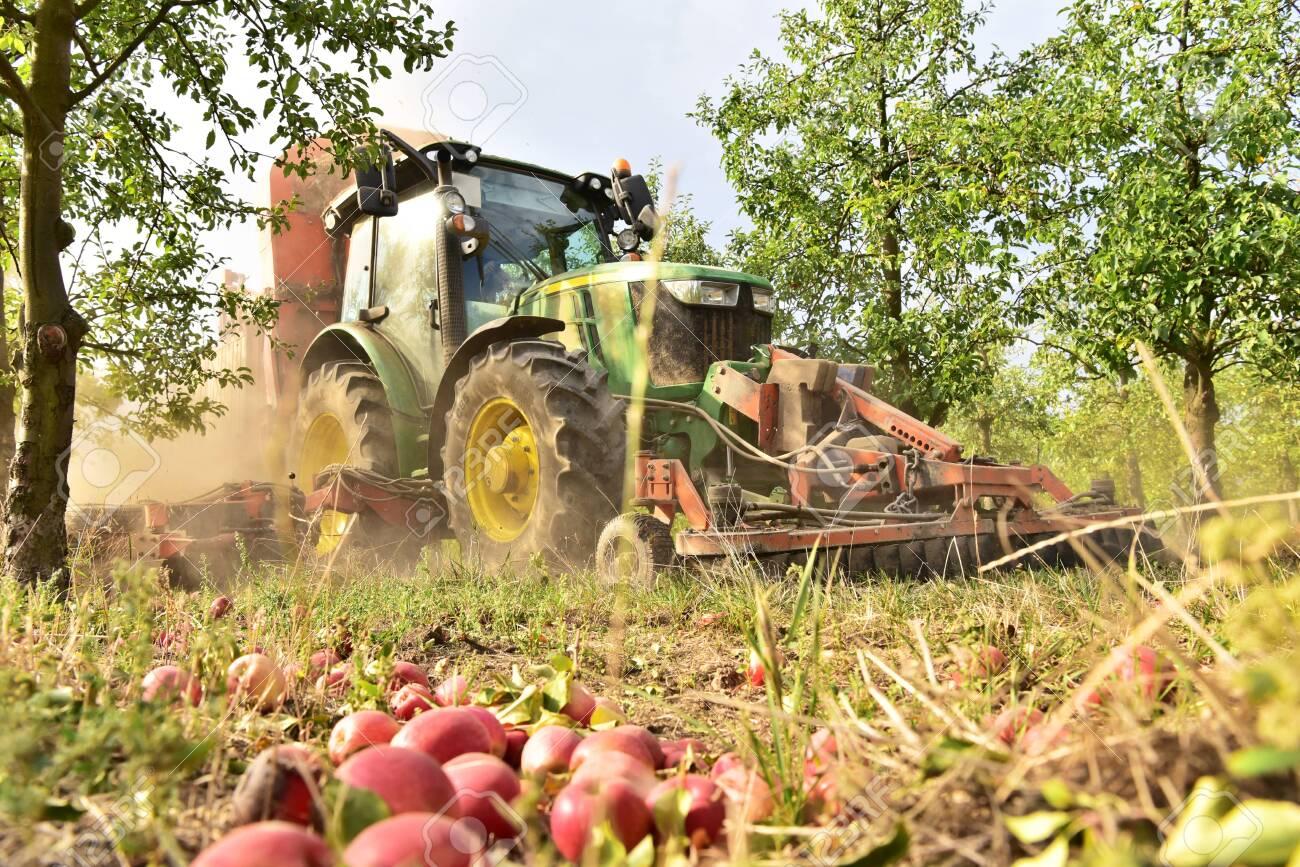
581,704
1009,725
255,679
705,812
406,780
267,844
220,607
822,797
337,680
410,700
610,764
583,805
407,672
755,672
321,662
282,783
747,792
619,740
168,683
485,788
357,731
1039,738
549,751
821,752
651,743
675,752
414,840
516,740
726,762
452,692
496,731
1142,671
445,733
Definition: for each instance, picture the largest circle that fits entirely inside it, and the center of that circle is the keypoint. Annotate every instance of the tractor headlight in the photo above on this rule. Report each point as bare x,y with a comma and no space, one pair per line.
453,202
703,292
763,300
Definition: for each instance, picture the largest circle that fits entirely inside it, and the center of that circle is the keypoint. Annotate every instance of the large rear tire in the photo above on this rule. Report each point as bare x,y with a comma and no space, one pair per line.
533,456
344,418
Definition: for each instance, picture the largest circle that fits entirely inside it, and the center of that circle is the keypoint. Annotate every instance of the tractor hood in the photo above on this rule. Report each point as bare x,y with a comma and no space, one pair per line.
639,272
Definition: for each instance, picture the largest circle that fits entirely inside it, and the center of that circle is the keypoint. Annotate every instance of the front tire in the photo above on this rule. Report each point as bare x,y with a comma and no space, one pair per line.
533,456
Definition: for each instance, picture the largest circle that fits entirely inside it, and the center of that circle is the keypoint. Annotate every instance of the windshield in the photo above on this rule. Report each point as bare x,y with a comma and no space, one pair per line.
537,228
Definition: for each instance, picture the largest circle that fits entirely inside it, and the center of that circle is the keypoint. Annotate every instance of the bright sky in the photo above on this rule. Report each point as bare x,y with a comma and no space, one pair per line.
575,84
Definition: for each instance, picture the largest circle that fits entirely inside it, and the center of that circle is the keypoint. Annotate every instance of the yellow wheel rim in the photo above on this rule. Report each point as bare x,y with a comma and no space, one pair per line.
501,470
325,444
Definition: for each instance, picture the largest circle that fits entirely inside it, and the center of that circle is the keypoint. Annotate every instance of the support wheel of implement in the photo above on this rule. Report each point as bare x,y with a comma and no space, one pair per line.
344,418
634,549
533,455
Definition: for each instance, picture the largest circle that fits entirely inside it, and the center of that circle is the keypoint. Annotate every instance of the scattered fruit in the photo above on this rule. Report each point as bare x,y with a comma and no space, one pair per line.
496,731
338,679
321,662
1013,722
516,740
414,840
168,683
485,787
676,752
359,730
407,672
220,607
267,844
821,752
755,673
584,804
549,751
445,733
706,809
257,680
410,700
282,783
749,792
452,692
617,740
1142,670
406,780
581,704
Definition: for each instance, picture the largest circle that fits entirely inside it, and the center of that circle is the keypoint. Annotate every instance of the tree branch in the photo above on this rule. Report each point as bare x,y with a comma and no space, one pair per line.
13,13
11,85
145,32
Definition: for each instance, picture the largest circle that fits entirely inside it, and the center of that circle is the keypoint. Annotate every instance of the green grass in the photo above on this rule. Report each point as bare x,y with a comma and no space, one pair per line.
83,760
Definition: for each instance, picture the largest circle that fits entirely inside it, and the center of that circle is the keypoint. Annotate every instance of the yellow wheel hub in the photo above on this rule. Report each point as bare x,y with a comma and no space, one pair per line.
324,444
501,469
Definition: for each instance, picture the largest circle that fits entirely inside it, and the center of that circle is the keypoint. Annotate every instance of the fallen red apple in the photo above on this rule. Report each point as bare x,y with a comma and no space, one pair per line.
755,672
651,743
452,692
256,680
445,733
820,753
581,704
583,805
168,683
1009,725
415,840
822,797
496,731
619,740
1141,670
282,783
705,811
516,740
220,607
747,791
411,700
485,788
1039,738
267,844
407,672
359,730
725,763
549,751
676,752
321,662
337,680
407,781
614,764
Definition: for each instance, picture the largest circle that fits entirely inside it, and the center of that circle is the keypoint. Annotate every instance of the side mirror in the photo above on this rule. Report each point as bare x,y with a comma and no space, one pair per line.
635,204
377,187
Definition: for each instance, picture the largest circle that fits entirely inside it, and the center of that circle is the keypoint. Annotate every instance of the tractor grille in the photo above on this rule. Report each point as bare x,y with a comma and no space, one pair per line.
685,340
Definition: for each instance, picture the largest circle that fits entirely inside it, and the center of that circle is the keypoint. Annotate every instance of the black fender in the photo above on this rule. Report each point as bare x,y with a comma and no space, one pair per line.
501,330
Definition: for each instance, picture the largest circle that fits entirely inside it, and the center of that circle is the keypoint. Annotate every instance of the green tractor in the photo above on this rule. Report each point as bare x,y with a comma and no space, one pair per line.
479,381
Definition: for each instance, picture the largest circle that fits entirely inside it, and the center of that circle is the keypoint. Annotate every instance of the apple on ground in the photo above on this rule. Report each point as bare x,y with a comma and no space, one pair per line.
444,733
406,780
267,844
359,730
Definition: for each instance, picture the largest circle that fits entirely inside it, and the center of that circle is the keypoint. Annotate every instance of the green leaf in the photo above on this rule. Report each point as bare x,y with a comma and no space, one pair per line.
1057,793
352,811
1258,761
1055,855
212,139
1037,827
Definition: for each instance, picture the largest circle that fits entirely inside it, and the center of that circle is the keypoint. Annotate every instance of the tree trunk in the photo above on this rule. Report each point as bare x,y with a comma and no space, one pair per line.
1133,466
985,425
7,394
35,539
1200,416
